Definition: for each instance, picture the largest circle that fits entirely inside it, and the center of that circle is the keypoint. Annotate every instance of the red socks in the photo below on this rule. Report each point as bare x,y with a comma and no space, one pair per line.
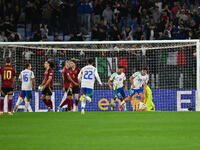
48,103
9,105
1,105
66,101
70,105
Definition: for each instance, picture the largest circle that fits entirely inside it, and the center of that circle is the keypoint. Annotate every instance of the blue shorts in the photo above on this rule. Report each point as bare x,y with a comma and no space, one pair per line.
27,94
119,93
134,91
87,92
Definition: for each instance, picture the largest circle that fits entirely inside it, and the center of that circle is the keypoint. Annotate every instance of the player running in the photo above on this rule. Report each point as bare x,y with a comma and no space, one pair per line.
8,75
47,85
28,83
119,82
87,78
139,82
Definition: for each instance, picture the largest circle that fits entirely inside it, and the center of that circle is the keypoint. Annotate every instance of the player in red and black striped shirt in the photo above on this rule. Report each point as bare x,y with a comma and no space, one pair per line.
47,85
8,75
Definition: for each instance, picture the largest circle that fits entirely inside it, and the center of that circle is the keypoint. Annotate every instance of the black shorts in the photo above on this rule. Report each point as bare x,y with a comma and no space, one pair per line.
73,90
6,91
76,90
47,91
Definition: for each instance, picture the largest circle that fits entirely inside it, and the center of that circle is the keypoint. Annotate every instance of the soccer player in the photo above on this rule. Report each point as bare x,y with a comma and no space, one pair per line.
87,78
72,76
149,105
47,85
139,82
8,75
71,84
119,82
28,82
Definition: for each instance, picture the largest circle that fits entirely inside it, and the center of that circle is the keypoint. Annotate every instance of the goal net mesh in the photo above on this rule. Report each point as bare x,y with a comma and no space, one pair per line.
171,69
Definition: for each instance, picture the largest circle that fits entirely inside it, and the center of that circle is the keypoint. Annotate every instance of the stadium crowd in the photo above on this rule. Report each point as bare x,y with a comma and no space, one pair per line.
36,20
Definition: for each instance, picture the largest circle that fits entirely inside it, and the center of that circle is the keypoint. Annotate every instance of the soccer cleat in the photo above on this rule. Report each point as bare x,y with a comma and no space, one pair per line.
10,114
120,108
82,112
59,109
1,113
139,109
81,98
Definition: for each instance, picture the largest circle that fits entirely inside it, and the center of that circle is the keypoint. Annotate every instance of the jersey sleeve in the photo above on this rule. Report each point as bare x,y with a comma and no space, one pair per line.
32,75
147,79
51,73
80,75
14,72
20,76
112,76
124,78
135,74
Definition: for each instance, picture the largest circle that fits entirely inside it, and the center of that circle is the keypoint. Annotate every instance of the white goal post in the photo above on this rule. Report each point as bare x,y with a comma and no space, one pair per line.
173,66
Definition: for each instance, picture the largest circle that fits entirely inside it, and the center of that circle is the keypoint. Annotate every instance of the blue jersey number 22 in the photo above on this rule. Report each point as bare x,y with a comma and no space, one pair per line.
87,75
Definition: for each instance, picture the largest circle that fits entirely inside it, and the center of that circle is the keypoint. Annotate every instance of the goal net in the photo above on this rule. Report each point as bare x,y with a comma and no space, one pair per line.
173,68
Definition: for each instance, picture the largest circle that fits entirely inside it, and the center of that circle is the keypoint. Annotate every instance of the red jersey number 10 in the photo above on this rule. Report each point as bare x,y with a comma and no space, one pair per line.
7,75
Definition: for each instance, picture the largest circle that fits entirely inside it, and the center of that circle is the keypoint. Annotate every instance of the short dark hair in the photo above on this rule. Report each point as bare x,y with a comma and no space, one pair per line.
51,64
90,61
8,60
27,65
73,60
120,67
145,68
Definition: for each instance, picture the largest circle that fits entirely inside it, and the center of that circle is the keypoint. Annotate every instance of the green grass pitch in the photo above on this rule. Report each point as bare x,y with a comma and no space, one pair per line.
101,131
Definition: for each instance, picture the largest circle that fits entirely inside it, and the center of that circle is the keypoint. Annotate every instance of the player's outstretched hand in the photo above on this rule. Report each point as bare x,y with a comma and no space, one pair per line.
101,84
110,87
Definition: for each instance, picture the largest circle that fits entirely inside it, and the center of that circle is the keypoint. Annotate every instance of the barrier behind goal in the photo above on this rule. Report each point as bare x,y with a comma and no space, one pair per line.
173,68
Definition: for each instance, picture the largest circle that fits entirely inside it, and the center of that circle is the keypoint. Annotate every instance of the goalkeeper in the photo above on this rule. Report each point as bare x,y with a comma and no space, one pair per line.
148,100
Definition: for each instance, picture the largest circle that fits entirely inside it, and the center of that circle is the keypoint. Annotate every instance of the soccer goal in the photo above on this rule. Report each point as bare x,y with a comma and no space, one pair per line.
173,68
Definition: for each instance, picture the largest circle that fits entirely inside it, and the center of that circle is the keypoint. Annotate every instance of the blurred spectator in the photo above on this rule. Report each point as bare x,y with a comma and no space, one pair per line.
152,19
27,54
107,14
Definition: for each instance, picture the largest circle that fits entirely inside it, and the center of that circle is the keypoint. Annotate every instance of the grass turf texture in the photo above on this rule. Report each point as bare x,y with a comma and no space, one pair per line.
101,131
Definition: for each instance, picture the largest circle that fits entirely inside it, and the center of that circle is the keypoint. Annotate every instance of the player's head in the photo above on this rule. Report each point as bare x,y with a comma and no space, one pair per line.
28,66
73,63
90,61
120,69
8,60
48,64
144,71
66,65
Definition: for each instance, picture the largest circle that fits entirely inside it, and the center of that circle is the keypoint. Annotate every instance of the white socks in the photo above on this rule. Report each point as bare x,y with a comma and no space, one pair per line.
26,105
83,103
141,105
19,101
